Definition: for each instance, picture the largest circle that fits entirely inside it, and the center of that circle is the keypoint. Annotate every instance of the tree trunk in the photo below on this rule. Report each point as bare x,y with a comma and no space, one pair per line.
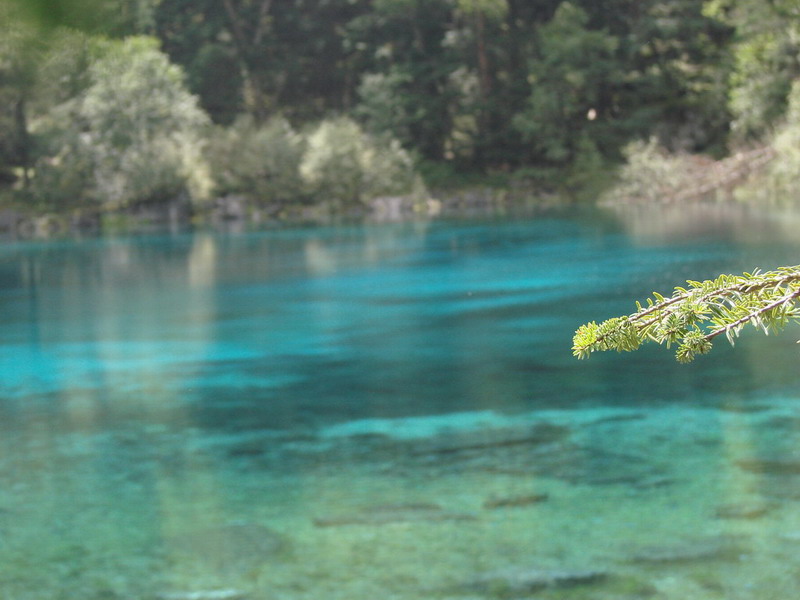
246,37
23,142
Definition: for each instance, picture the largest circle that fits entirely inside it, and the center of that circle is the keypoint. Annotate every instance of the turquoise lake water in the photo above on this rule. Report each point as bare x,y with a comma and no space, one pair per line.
392,411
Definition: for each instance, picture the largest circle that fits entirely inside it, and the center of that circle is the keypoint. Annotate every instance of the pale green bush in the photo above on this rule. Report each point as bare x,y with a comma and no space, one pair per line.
344,165
134,135
651,173
261,163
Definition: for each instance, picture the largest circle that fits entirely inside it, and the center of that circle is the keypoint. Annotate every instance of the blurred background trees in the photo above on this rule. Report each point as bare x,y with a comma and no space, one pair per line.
111,103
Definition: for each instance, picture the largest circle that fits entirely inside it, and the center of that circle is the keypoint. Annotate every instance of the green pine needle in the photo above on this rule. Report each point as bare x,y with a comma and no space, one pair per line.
693,316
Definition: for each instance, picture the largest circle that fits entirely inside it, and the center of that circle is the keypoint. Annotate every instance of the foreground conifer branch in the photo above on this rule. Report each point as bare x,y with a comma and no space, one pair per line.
693,316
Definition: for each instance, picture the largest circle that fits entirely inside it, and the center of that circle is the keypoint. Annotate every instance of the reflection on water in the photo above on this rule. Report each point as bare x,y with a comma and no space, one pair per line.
391,411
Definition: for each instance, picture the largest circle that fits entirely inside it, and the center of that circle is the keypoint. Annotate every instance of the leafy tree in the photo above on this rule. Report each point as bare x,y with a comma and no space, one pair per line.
135,133
44,63
447,77
406,41
384,106
109,17
491,82
692,317
766,55
778,182
194,34
676,64
575,67
261,56
20,54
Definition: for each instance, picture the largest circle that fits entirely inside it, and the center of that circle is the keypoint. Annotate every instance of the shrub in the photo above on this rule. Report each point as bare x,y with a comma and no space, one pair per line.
651,173
134,135
261,163
343,164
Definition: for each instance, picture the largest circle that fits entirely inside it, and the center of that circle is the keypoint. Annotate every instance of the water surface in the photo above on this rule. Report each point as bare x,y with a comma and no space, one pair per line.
391,410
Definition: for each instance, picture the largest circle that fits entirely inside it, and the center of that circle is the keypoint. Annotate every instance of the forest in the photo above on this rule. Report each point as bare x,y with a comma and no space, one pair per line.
245,108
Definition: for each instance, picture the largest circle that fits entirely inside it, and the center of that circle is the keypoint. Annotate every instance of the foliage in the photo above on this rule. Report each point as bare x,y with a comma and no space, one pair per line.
556,87
261,162
588,174
761,82
576,64
288,56
343,164
651,173
778,183
406,42
135,131
694,316
766,59
383,106
676,81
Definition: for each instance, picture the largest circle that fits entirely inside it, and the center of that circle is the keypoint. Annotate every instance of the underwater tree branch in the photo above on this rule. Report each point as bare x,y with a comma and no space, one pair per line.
692,317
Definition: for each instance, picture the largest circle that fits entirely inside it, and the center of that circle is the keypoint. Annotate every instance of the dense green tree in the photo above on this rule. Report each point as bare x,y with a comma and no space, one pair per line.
766,53
19,55
576,66
108,17
383,106
405,41
611,71
44,62
675,65
465,81
195,35
37,72
555,87
260,56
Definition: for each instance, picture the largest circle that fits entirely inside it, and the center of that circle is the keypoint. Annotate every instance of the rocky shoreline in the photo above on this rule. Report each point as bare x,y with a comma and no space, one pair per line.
237,213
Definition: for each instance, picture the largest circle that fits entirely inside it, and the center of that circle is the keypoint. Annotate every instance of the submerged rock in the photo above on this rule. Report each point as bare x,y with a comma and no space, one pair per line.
230,547
517,581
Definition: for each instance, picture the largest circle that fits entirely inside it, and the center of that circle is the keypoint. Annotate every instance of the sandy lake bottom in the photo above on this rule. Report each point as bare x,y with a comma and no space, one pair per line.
598,503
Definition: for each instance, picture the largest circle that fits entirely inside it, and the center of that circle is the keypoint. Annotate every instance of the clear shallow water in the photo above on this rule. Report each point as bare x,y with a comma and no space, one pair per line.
391,410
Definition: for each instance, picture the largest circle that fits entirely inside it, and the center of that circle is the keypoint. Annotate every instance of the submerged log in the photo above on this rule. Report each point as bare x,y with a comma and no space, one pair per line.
515,501
724,548
778,466
520,581
744,510
224,594
540,434
386,514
